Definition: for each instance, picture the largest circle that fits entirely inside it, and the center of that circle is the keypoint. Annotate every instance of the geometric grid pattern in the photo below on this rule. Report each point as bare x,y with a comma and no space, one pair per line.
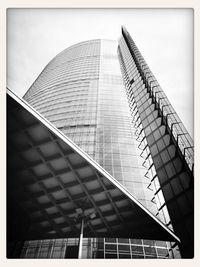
66,93
49,248
85,109
113,248
107,248
164,140
116,145
49,178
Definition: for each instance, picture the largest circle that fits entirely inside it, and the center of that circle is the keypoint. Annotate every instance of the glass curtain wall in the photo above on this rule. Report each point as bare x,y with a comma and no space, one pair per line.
81,92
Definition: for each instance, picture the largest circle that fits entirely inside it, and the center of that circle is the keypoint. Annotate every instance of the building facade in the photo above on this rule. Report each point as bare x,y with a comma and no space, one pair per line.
164,138
83,92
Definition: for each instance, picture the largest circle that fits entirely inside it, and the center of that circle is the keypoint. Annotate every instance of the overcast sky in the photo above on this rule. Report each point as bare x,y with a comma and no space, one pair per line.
163,36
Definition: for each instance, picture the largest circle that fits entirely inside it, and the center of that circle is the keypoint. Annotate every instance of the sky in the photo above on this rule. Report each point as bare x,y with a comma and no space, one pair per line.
163,36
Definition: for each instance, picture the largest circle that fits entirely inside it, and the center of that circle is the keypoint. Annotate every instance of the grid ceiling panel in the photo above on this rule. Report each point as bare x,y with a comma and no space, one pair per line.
47,186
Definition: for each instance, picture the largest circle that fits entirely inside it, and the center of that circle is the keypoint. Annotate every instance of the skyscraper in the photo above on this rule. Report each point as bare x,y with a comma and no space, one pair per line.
164,139
83,93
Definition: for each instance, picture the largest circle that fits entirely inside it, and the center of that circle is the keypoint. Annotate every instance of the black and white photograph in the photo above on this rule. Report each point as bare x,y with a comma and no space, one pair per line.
99,125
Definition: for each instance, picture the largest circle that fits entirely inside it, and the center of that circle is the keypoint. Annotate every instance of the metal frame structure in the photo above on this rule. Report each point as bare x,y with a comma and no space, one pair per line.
49,177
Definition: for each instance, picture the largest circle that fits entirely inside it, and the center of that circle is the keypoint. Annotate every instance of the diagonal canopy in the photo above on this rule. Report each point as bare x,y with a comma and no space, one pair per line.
49,177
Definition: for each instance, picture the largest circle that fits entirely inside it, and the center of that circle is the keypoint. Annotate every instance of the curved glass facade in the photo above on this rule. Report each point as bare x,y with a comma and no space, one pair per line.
81,92
66,93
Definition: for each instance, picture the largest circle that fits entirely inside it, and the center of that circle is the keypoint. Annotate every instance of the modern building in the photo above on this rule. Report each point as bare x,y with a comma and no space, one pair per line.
164,137
103,97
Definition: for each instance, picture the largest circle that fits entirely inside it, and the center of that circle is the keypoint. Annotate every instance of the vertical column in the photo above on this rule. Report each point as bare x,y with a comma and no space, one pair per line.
80,249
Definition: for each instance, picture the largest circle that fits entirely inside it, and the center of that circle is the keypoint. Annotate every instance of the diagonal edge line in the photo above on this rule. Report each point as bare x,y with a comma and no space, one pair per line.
78,150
